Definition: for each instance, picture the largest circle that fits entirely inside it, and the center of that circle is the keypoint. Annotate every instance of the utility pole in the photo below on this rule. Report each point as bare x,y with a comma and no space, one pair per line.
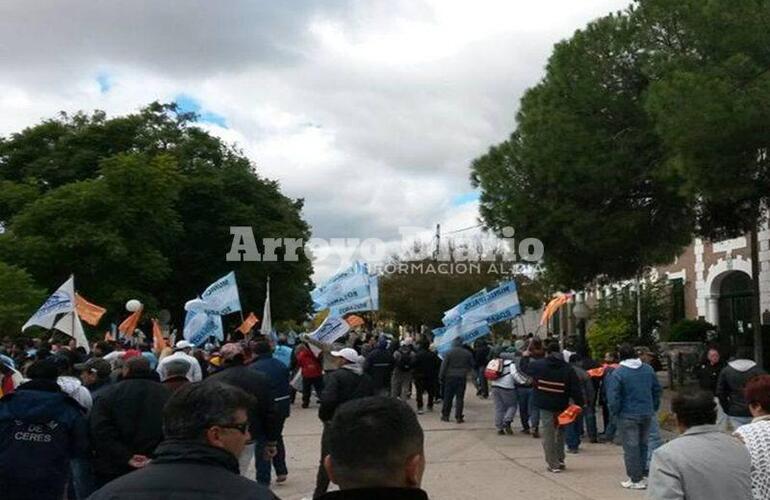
437,251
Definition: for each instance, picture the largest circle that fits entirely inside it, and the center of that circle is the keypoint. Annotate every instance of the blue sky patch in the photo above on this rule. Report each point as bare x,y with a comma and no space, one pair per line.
188,104
462,199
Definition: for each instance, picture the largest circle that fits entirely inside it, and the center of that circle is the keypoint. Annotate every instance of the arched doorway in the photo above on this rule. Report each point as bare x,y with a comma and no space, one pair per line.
736,302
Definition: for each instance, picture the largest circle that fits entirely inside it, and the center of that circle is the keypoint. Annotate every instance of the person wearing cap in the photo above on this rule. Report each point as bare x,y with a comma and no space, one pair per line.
41,430
344,384
278,374
126,421
95,375
182,351
263,417
176,375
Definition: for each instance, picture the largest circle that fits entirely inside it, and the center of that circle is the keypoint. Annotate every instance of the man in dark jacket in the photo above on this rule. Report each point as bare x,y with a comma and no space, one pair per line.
206,427
379,366
392,463
263,418
481,358
95,375
346,383
454,376
126,422
41,430
555,383
730,386
426,367
401,380
708,371
278,374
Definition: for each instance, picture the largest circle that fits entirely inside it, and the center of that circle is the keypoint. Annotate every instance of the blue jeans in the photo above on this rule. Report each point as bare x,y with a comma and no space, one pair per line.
524,395
534,412
635,433
572,433
454,388
654,442
264,467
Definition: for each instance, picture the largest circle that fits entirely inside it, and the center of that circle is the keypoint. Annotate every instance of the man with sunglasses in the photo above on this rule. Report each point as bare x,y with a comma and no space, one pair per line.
206,427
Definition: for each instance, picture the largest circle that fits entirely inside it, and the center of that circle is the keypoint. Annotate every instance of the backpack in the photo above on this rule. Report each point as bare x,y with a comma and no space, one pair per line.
494,369
404,361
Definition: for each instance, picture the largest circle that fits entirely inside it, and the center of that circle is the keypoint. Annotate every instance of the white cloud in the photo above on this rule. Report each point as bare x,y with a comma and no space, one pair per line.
370,111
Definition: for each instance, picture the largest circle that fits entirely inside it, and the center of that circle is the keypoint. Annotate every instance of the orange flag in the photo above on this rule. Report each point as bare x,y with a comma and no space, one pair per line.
248,323
158,342
354,320
108,337
554,306
129,324
88,312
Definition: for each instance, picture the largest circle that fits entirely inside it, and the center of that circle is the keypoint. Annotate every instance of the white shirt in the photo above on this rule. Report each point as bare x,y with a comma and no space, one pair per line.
194,373
505,381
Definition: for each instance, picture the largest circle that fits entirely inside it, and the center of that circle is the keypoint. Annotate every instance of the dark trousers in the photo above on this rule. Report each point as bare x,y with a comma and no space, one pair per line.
454,388
322,478
481,382
264,467
424,385
308,384
524,394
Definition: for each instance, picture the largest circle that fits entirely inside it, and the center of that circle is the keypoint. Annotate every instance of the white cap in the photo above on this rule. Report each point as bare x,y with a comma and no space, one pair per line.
183,344
347,353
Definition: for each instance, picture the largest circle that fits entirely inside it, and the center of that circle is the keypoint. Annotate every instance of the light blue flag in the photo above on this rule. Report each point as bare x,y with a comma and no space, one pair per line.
330,330
199,326
499,304
467,332
340,291
374,291
221,298
357,268
452,316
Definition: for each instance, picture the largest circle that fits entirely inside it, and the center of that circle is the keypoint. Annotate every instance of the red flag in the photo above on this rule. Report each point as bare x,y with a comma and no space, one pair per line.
129,324
248,323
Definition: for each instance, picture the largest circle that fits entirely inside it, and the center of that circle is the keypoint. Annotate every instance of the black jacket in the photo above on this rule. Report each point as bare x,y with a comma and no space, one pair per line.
730,386
41,429
127,420
426,364
263,418
340,386
189,470
555,382
708,376
377,494
379,366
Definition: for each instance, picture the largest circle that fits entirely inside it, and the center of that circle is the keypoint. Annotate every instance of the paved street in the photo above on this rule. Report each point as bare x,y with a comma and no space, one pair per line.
472,461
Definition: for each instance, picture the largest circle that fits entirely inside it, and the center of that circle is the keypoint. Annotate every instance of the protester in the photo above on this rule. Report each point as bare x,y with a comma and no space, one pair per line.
282,352
702,463
278,375
312,373
126,422
504,397
572,433
481,356
379,366
610,425
634,397
95,375
523,385
263,417
206,427
401,381
346,383
708,371
454,375
183,350
392,463
730,386
68,380
756,435
426,367
175,375
536,351
41,430
555,384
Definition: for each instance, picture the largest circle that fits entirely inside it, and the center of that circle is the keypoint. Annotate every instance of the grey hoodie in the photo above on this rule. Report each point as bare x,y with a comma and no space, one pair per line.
730,386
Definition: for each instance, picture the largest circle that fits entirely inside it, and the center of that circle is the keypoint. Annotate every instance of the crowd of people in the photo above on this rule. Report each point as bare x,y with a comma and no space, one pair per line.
121,421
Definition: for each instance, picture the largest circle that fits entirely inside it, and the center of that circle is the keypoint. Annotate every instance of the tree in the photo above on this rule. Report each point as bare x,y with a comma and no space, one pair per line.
141,206
710,104
19,298
582,172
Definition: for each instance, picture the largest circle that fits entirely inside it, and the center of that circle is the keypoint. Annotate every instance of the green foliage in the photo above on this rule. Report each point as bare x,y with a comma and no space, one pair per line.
140,206
19,298
582,171
614,318
690,330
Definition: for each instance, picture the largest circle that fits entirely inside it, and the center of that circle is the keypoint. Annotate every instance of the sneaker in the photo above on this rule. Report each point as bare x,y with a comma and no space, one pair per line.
460,420
630,485
536,434
420,412
445,419
555,470
573,451
280,479
508,429
562,465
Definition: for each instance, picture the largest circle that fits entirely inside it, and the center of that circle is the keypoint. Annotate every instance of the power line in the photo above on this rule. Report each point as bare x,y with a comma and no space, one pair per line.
464,229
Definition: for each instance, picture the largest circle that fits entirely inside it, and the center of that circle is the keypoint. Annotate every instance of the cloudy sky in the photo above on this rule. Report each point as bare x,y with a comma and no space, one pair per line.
369,110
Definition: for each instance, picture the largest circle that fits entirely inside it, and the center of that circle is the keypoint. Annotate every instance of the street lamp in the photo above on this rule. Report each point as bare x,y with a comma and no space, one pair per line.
581,312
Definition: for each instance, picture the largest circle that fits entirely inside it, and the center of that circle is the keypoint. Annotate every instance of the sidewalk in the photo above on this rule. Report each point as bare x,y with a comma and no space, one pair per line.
469,461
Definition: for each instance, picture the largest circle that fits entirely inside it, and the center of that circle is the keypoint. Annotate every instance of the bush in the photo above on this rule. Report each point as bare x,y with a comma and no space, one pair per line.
606,335
690,330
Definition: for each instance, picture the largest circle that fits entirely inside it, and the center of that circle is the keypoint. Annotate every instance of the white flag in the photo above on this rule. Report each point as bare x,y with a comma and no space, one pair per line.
267,322
61,301
71,325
